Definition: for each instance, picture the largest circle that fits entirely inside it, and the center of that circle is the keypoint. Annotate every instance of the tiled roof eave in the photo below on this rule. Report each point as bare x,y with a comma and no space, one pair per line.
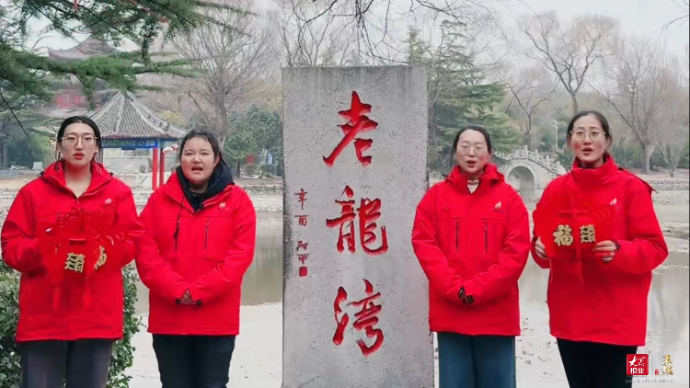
125,113
125,137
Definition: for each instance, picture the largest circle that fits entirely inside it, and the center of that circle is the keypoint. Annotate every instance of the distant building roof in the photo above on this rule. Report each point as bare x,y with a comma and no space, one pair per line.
125,117
90,47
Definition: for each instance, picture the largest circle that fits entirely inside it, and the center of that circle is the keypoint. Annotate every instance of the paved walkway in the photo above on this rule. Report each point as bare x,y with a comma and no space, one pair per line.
257,360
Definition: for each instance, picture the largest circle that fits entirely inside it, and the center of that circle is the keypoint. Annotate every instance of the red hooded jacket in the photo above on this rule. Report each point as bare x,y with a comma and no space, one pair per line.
78,306
479,241
207,252
590,300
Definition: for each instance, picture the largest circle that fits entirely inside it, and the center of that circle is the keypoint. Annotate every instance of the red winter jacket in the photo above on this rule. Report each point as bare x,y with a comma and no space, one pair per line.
50,311
478,241
596,301
207,252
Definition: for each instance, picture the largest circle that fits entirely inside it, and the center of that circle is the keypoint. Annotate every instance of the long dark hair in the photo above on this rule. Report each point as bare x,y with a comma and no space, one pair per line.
78,119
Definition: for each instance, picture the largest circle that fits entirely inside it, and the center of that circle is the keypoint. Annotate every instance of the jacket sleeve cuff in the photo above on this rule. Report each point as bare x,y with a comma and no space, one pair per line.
35,252
540,262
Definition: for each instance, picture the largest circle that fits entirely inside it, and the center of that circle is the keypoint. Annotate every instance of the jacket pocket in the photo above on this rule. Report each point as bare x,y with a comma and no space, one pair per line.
458,248
493,239
457,234
218,234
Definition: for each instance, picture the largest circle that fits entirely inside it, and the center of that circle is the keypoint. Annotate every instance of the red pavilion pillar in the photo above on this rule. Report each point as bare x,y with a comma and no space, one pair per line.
161,172
154,169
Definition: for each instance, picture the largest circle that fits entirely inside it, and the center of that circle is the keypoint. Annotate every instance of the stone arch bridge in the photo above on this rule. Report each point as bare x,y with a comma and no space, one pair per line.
529,172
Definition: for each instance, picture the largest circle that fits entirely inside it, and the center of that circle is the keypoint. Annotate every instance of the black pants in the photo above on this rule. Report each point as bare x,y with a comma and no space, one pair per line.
83,363
193,361
595,365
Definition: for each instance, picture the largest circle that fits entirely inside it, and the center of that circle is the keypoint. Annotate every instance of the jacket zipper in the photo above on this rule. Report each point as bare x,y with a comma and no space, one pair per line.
457,234
177,231
208,220
486,237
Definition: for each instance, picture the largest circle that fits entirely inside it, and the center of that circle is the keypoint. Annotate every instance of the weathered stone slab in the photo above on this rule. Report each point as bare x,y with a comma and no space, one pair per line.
356,306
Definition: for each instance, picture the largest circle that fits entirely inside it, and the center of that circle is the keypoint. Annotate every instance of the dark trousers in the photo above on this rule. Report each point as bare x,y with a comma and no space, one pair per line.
82,363
481,361
193,361
595,365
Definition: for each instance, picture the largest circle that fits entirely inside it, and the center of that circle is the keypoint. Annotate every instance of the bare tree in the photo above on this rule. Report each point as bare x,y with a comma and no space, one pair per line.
683,15
377,24
231,59
568,51
637,75
674,118
529,89
308,41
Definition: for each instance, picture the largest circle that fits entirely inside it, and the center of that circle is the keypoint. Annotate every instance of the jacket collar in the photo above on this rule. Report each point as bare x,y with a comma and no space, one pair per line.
590,177
55,174
173,188
458,180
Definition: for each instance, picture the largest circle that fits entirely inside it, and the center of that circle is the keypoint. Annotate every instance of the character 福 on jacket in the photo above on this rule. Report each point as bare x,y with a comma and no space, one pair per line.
595,228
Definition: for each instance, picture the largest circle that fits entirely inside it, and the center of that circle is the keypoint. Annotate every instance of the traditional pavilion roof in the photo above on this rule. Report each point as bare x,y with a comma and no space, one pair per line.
125,117
90,47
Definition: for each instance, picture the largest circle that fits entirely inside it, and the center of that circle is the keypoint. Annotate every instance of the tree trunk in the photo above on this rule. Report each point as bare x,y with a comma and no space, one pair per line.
527,139
576,108
238,165
3,154
648,151
224,124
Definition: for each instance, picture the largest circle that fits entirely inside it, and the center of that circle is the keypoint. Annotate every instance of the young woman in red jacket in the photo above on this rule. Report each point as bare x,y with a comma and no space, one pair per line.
471,236
202,230
596,229
69,233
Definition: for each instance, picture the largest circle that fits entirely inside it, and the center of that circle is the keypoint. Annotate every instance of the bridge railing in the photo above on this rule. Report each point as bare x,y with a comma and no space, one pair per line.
547,162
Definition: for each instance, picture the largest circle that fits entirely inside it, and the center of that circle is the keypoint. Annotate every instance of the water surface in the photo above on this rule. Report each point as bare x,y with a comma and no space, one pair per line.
669,311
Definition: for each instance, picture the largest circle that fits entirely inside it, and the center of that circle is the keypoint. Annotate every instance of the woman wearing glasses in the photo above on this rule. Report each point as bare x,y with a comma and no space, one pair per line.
595,228
471,236
69,233
202,230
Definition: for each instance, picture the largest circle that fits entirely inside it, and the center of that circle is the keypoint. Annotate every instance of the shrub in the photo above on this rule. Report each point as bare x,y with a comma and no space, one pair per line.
123,351
250,170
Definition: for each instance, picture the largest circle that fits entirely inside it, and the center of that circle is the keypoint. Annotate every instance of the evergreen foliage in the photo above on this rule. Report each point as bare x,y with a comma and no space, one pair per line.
24,73
459,94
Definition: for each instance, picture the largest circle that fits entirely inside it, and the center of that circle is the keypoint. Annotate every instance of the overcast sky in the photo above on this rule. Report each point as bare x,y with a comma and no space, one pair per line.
641,17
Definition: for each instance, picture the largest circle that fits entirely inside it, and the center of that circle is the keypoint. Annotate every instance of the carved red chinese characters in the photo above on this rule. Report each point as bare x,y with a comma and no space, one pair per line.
368,212
365,319
356,122
301,197
302,219
302,257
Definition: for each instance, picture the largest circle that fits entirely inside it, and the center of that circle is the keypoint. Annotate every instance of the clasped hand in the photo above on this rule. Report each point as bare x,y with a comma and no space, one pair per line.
187,298
604,250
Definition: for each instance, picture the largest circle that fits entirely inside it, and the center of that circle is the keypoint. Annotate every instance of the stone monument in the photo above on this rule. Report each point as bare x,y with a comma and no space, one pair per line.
355,307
